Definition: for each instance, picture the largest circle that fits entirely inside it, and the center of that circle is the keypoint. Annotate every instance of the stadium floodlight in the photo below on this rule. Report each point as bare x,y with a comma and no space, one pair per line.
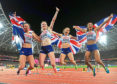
103,39
1,25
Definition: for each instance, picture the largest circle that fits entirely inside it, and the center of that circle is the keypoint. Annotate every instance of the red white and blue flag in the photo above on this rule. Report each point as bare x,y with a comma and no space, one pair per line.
106,27
18,32
54,39
74,44
82,36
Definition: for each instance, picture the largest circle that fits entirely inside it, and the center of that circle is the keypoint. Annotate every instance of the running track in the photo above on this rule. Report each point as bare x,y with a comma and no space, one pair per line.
66,76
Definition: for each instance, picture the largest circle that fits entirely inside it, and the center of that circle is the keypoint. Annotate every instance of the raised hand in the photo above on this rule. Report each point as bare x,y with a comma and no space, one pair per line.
75,27
111,15
57,9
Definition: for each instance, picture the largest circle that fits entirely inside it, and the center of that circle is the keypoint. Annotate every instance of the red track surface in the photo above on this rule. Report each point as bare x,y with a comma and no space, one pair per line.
66,76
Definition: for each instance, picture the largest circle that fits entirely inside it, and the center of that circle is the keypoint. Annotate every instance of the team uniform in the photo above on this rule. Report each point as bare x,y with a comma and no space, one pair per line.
46,49
91,36
28,39
65,39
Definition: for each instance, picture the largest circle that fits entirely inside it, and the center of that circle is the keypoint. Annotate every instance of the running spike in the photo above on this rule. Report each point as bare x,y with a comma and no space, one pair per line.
107,70
94,74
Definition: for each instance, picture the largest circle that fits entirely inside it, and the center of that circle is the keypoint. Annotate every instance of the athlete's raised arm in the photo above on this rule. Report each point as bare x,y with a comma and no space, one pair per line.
101,25
58,34
80,29
54,18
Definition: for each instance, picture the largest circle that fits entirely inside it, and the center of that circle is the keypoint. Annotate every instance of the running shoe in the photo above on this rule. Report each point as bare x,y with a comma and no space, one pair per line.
94,74
107,70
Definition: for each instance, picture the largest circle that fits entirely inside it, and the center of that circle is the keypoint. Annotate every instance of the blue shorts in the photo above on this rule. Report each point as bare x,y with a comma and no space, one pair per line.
26,51
92,47
46,49
66,51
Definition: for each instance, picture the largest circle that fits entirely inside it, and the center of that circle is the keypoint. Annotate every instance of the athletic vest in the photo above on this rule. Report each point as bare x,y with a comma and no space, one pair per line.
91,36
45,34
28,37
65,39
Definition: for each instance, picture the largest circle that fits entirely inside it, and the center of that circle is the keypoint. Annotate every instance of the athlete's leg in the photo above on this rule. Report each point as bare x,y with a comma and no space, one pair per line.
52,59
87,59
31,62
22,61
98,60
71,57
62,59
42,57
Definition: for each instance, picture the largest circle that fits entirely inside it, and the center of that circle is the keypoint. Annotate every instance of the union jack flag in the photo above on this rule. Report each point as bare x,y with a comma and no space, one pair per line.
82,36
18,32
106,27
54,39
74,45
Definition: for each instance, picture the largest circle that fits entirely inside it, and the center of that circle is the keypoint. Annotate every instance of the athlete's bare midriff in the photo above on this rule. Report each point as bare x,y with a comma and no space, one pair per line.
45,42
65,45
27,45
91,42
